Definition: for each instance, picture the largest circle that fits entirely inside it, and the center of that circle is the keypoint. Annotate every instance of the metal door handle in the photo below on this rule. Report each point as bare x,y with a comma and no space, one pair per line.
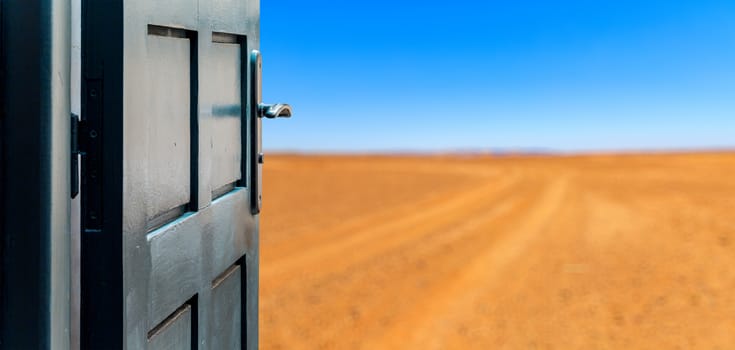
270,111
278,110
259,110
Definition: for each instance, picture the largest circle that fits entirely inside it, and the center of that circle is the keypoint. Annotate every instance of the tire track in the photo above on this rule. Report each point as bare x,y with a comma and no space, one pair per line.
483,270
363,238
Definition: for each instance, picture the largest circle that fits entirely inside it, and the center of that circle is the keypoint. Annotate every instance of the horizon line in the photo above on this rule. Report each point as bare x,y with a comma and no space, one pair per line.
522,151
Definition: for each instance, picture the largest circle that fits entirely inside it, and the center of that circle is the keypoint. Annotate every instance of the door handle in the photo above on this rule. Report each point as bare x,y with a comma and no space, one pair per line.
278,110
258,111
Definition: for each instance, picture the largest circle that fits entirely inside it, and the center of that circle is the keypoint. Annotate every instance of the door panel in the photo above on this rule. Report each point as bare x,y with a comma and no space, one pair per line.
174,254
166,126
227,110
175,333
226,299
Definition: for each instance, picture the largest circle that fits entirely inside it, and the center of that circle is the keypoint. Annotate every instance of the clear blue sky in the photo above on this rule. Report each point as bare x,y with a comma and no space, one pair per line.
446,75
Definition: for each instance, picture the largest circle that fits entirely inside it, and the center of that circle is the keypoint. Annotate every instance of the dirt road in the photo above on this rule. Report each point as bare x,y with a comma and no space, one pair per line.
585,252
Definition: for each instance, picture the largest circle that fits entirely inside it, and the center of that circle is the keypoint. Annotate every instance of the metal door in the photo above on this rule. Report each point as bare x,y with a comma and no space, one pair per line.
170,174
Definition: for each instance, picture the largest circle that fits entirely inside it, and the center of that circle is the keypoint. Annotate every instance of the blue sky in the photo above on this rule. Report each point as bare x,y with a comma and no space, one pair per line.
452,75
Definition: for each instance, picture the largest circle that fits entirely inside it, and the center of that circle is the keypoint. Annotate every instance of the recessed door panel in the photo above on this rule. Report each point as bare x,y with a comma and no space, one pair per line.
227,109
167,127
175,333
227,311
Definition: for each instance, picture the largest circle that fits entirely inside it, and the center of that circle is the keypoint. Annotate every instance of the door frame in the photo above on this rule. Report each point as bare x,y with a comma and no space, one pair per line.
35,179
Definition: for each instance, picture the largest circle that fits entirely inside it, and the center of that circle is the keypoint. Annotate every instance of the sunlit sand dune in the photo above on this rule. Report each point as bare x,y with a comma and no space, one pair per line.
440,252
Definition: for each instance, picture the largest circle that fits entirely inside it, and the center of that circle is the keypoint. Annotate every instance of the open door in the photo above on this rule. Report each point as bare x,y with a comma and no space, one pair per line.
170,174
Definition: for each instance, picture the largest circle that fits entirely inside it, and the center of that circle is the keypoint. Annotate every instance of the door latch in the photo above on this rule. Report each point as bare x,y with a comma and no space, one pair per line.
78,133
74,130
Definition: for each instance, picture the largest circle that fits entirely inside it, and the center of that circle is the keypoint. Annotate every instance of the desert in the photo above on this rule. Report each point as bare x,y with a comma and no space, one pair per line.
598,251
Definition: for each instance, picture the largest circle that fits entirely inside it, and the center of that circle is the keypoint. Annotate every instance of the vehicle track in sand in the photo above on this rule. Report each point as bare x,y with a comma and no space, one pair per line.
581,252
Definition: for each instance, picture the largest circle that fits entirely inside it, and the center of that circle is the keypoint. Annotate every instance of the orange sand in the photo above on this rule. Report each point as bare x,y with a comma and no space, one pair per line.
586,252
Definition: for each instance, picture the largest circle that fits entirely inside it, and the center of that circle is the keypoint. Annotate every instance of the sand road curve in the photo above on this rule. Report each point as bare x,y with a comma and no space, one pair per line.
440,252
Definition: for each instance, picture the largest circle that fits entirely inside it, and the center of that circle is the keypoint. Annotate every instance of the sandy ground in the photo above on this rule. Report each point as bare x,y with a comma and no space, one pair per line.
587,252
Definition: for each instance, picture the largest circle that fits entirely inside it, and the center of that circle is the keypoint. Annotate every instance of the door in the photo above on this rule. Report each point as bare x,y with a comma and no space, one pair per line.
170,174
